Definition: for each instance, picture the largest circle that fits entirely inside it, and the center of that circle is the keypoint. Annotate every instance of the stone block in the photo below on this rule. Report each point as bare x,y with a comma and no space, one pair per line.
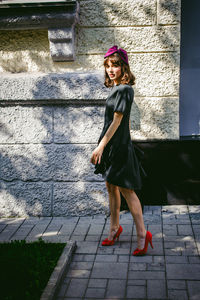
94,293
116,289
137,292
117,12
97,283
155,118
78,124
142,39
23,199
26,162
169,11
156,289
183,271
79,198
194,289
93,41
176,284
17,121
77,288
109,270
178,294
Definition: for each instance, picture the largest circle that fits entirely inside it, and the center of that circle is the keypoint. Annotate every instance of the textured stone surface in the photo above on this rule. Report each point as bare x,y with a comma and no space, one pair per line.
23,199
81,198
25,124
69,162
169,11
154,38
117,12
53,86
78,124
155,117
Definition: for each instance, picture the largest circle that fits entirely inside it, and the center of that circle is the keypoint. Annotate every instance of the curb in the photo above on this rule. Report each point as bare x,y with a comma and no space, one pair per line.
57,275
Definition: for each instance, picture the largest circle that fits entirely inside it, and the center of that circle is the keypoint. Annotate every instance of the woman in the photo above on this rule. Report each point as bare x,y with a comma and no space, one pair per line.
115,156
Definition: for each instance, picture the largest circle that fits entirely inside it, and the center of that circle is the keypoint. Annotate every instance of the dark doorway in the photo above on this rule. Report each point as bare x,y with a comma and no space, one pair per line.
190,69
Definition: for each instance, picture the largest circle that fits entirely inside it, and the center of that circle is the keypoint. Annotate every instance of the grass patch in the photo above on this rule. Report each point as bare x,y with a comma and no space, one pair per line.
25,268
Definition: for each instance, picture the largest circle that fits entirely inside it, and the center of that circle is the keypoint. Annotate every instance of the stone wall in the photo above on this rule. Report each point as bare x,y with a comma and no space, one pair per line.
52,113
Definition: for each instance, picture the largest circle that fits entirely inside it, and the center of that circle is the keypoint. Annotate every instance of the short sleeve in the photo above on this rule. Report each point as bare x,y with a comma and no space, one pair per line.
121,101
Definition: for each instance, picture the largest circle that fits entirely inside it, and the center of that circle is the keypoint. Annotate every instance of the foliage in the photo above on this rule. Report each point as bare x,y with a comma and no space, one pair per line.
25,268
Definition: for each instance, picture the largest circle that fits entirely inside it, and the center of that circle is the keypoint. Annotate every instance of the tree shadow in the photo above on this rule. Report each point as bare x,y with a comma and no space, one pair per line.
50,164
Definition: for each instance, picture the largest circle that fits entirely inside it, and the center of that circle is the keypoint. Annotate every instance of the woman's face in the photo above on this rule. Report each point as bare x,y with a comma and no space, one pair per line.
114,71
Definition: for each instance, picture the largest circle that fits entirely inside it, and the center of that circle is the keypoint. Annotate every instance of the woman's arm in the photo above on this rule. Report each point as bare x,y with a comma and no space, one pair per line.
97,153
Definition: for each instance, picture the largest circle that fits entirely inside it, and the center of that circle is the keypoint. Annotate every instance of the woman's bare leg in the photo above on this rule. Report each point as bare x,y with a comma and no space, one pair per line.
114,202
136,211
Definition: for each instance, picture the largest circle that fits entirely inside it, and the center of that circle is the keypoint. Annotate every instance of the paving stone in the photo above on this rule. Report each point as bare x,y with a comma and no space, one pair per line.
159,259
142,259
170,229
8,232
97,283
136,282
81,229
78,273
156,267
183,219
173,252
67,229
169,219
136,292
77,288
62,289
81,265
93,238
96,229
95,293
137,266
185,230
86,247
177,295
146,275
2,226
121,251
12,221
176,284
77,238
156,289
109,270
194,289
123,258
183,271
105,250
176,259
106,258
196,229
195,218
116,288
194,259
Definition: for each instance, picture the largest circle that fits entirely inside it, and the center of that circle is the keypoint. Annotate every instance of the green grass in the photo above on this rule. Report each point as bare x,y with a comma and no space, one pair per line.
25,268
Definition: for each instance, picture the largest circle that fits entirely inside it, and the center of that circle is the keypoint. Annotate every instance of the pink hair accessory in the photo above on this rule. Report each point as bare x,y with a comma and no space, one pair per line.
122,53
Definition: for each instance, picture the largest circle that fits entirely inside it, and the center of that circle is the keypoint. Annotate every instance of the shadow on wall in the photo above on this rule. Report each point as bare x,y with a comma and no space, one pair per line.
45,169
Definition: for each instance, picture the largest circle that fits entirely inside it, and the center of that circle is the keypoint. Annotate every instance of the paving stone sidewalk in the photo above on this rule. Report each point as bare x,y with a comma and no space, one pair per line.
169,271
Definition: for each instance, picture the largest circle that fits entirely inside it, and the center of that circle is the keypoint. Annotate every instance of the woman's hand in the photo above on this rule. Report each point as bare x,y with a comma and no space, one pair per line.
96,155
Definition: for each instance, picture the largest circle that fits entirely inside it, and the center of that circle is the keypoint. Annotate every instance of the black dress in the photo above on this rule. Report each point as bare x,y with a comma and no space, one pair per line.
120,164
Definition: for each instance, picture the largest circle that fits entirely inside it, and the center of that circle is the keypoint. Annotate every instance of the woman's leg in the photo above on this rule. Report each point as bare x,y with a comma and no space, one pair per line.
114,202
136,211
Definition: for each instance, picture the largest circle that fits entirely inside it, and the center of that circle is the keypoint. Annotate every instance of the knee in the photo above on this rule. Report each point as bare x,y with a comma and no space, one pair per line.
111,188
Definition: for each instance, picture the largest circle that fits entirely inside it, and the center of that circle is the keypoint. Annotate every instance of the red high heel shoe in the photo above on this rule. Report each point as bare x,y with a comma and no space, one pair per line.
108,242
148,239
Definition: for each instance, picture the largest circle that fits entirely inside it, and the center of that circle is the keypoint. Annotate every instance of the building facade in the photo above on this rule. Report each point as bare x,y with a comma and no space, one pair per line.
52,96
